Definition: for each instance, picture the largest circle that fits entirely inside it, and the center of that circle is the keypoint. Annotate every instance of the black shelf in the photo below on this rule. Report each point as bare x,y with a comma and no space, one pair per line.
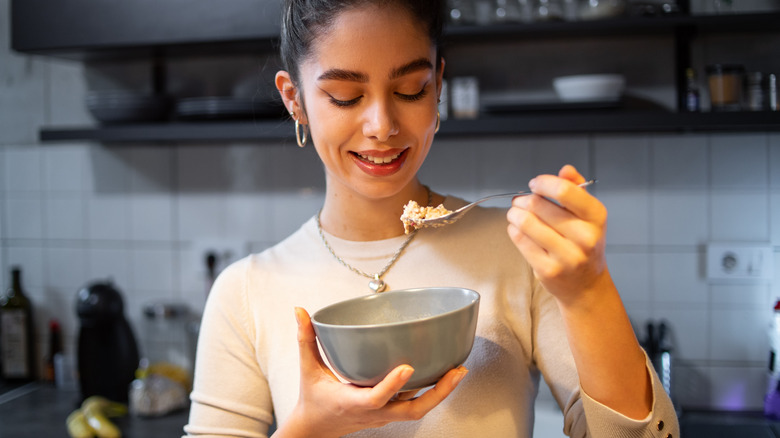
503,125
93,30
83,29
623,26
89,30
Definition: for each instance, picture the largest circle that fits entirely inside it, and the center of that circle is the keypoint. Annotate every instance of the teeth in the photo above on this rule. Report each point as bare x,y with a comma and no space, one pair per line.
379,160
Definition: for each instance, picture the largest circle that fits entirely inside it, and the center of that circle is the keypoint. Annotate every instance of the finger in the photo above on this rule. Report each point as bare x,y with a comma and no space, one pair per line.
423,404
525,216
562,221
533,253
405,395
570,172
307,344
385,390
569,196
543,247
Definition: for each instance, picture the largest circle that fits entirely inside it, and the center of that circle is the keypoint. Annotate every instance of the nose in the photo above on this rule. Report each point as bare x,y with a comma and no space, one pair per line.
380,121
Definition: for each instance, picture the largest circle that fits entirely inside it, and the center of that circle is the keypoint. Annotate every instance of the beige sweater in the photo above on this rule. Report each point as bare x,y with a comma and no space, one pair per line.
247,362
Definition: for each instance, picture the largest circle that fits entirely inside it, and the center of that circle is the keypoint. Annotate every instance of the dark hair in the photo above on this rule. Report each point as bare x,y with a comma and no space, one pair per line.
303,20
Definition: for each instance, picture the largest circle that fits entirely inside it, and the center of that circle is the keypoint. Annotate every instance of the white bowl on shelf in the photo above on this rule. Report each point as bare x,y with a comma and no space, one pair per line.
587,88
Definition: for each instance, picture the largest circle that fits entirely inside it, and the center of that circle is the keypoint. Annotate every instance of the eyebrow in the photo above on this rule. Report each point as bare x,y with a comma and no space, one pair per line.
337,74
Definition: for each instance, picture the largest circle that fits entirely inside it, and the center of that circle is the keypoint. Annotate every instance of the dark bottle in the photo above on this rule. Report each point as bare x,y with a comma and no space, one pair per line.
17,339
691,91
55,348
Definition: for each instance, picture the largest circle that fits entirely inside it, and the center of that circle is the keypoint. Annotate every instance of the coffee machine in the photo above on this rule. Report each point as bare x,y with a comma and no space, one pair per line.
107,350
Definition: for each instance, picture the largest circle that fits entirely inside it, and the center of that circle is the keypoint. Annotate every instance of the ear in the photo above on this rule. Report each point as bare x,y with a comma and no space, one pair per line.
288,92
439,78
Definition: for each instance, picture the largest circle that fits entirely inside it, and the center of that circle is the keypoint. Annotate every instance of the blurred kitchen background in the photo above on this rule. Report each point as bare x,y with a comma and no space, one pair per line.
146,214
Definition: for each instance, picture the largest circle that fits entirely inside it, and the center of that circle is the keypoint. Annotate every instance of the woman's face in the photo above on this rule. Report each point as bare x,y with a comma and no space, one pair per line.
370,90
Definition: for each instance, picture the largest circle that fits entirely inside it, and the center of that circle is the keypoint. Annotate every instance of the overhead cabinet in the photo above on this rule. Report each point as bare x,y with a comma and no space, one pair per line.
89,28
159,30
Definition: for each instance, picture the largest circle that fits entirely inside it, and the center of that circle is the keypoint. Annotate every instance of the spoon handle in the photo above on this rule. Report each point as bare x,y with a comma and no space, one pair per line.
523,193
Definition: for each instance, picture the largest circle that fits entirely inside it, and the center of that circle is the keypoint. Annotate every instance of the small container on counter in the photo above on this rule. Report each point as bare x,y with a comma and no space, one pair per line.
725,86
754,91
167,337
465,97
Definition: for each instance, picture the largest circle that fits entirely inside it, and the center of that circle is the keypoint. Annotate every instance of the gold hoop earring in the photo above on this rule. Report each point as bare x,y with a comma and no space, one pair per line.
298,128
438,122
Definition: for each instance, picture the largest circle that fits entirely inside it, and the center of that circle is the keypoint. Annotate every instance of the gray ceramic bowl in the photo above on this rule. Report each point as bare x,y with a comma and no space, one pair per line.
431,329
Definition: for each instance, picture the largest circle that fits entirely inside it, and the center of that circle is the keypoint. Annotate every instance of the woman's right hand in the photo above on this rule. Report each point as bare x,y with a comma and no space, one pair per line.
328,407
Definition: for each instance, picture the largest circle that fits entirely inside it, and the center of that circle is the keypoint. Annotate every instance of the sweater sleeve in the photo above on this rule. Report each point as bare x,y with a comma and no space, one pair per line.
660,422
584,416
230,396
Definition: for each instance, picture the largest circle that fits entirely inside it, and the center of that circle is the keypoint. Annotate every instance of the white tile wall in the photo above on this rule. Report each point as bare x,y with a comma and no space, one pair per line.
65,167
66,91
23,169
740,215
774,214
774,161
677,279
109,263
108,217
65,218
679,216
689,331
679,161
74,212
23,96
31,259
740,161
151,217
729,330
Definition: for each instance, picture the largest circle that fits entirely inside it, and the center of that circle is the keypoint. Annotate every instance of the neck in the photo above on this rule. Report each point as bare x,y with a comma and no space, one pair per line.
355,216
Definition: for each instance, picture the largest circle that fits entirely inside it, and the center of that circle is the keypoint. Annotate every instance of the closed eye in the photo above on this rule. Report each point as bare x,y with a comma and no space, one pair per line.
413,97
344,103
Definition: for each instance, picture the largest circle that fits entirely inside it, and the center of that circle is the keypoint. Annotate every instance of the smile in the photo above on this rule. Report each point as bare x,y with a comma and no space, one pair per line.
378,160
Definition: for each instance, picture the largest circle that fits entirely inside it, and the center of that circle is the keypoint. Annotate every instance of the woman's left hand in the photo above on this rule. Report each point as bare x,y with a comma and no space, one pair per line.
563,242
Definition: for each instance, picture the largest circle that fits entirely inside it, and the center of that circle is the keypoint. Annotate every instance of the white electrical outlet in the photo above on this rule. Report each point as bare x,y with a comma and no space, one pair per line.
196,271
225,252
742,262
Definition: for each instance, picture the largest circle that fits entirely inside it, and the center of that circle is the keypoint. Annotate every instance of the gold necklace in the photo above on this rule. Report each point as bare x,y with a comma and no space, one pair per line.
376,284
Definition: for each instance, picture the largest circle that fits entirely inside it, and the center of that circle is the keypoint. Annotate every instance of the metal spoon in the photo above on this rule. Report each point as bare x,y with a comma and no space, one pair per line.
453,216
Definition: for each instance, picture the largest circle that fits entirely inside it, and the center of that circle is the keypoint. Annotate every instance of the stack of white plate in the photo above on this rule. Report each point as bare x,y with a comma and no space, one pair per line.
225,108
120,106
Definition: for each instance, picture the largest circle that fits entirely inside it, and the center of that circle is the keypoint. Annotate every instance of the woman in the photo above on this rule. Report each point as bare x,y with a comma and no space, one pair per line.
362,82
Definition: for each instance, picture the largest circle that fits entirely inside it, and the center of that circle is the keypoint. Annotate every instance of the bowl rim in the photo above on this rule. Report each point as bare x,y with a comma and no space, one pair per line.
475,300
589,77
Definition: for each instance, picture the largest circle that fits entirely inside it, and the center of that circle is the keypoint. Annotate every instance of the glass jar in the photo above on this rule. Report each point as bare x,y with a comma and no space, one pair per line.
167,335
548,10
754,91
771,92
725,86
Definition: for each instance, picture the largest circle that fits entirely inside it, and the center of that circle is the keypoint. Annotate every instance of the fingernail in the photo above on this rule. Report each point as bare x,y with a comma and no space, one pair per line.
406,372
461,374
297,317
532,183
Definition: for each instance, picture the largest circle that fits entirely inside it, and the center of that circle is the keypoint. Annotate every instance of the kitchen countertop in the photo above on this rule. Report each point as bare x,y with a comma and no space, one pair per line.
40,410
713,424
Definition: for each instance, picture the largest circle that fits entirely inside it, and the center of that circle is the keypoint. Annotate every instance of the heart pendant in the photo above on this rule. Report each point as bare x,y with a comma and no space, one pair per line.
377,285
